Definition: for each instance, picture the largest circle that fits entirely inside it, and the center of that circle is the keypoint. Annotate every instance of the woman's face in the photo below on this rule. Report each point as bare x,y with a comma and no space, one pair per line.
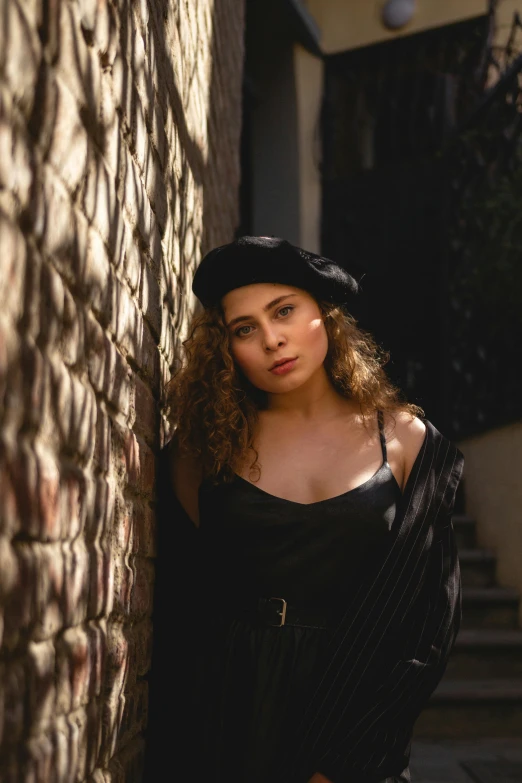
270,322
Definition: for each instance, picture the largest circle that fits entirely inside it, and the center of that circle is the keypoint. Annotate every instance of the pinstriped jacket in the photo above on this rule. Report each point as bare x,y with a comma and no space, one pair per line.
391,647
385,657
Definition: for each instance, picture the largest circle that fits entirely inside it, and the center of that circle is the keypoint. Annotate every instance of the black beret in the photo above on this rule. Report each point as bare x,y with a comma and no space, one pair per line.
270,260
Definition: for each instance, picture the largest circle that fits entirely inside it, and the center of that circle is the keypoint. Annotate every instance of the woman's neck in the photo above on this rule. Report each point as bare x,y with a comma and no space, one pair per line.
317,399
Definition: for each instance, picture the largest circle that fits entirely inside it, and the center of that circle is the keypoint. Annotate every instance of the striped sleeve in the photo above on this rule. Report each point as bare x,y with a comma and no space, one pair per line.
391,647
376,743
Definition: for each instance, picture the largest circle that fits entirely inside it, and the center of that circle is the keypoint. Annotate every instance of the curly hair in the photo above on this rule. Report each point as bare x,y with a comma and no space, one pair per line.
214,407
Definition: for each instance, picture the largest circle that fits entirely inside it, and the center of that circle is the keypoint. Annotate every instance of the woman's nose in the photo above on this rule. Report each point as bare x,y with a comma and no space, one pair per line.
272,338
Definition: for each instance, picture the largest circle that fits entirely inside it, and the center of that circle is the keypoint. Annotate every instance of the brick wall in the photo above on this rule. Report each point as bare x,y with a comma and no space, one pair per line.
119,166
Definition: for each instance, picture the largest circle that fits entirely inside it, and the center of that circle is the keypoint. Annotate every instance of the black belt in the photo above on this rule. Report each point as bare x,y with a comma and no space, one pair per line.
278,612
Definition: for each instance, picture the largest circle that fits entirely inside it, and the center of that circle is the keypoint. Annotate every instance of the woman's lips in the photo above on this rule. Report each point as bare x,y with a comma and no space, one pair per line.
281,369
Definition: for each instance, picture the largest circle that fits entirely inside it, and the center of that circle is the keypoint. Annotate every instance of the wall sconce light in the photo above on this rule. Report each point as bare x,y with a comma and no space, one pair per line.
398,13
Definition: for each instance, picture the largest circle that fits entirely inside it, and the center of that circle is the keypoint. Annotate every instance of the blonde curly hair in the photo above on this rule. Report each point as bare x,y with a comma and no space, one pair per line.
214,407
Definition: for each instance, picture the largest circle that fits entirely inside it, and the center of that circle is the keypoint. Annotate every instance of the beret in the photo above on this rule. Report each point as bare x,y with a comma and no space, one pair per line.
251,259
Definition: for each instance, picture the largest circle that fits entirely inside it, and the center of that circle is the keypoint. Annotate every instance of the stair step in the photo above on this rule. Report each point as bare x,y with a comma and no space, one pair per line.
465,530
464,709
485,652
484,638
478,690
476,555
490,607
477,567
493,770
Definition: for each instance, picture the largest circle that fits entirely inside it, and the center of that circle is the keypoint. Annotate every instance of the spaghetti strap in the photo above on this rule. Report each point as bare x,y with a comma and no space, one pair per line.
380,419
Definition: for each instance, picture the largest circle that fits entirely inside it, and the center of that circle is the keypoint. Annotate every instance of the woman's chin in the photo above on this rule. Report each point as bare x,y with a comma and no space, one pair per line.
284,385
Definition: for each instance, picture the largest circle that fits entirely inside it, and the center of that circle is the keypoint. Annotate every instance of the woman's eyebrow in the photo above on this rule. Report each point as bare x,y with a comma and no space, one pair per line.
267,307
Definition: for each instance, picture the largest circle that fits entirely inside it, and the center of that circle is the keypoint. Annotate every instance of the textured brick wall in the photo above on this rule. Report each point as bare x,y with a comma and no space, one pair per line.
119,166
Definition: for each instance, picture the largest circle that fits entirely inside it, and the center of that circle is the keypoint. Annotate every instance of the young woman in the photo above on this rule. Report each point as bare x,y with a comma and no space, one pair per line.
307,569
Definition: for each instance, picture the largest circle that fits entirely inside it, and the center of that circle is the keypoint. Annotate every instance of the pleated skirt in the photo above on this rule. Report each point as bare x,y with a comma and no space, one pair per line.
252,687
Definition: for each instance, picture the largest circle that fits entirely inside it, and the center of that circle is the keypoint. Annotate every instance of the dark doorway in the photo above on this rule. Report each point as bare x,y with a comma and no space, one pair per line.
387,112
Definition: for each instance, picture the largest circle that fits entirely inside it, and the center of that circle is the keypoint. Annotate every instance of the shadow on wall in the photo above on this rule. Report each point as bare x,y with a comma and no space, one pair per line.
122,175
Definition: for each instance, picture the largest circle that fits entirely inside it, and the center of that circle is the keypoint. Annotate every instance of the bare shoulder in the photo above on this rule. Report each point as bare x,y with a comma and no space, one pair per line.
410,431
408,436
185,474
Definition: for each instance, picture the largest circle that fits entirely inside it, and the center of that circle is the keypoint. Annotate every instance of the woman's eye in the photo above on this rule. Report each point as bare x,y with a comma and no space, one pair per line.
284,311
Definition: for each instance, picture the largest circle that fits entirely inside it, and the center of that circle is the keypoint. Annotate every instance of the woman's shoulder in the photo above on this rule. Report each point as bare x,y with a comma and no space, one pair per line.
183,474
179,458
405,434
409,429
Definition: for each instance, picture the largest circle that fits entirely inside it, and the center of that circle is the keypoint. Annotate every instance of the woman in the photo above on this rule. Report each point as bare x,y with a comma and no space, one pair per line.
317,591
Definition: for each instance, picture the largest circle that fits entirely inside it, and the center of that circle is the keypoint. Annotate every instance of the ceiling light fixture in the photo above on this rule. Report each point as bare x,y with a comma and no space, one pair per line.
398,13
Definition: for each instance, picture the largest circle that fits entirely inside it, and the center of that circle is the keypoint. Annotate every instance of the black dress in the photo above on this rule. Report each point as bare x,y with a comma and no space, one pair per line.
254,681
224,695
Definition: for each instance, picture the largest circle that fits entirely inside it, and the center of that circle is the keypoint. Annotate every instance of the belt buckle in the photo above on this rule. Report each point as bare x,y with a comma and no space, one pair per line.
281,613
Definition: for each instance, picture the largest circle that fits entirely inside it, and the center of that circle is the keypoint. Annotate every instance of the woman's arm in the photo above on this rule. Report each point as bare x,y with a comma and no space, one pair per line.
379,734
178,586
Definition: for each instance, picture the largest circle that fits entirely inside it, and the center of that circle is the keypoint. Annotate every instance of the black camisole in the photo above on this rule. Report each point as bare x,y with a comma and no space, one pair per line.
309,554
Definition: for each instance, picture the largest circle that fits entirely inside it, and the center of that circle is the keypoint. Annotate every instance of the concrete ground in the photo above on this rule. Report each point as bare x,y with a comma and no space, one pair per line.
473,761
